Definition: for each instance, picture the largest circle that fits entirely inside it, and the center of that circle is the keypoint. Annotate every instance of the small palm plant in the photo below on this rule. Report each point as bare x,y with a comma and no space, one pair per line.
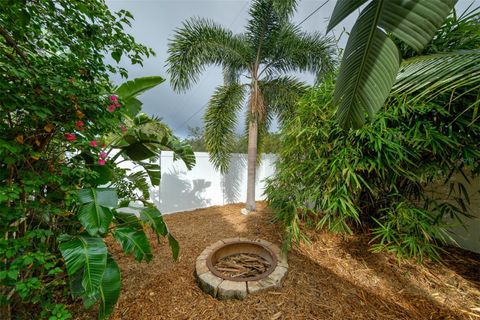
269,49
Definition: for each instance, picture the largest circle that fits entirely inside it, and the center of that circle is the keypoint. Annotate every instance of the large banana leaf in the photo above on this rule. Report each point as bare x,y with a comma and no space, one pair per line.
153,171
95,213
109,291
371,60
130,89
134,241
87,255
181,150
126,217
137,86
154,219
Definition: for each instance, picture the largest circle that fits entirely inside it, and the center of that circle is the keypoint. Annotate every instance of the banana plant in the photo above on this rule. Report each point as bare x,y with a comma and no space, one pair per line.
371,59
94,274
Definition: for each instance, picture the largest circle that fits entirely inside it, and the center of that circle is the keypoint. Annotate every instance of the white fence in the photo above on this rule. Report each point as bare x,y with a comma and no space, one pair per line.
203,186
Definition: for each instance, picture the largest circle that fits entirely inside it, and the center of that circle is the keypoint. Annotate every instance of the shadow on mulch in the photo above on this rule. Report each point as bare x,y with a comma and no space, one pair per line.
326,280
464,263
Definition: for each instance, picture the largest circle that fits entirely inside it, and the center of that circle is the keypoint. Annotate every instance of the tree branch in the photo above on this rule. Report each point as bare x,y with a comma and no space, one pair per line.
10,41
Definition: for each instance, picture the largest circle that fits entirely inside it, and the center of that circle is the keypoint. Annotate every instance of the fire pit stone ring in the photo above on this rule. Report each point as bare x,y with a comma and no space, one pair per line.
222,286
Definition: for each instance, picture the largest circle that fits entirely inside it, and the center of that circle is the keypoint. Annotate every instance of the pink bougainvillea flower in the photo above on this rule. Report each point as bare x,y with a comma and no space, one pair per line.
103,155
79,125
101,162
111,108
113,98
93,143
70,137
123,128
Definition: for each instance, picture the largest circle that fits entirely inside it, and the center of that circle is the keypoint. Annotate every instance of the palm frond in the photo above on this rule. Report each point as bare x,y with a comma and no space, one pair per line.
281,95
220,122
285,8
294,50
198,43
437,73
264,21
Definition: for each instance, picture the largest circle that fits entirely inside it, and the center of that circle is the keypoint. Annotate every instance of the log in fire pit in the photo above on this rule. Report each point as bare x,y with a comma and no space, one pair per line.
233,268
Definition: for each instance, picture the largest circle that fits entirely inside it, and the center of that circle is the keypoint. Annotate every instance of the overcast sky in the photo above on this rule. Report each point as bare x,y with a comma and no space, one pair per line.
155,23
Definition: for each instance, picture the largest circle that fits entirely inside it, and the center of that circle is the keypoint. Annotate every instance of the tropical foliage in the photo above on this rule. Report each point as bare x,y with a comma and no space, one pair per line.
256,64
371,59
270,142
64,130
379,178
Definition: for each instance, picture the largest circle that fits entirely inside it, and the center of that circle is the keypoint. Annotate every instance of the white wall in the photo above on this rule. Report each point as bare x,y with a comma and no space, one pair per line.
203,186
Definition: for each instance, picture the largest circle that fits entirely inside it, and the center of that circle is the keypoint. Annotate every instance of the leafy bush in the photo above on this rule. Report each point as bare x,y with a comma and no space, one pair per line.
64,130
375,177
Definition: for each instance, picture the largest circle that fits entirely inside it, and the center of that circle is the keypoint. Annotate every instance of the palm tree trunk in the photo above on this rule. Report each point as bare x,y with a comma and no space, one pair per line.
252,163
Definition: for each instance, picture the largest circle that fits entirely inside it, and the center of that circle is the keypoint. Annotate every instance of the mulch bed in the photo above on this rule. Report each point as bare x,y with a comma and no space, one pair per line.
335,277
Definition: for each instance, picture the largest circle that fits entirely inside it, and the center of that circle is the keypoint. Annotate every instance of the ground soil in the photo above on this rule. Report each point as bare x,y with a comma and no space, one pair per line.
334,277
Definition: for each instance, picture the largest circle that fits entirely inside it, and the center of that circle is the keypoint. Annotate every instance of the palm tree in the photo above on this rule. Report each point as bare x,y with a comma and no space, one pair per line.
263,55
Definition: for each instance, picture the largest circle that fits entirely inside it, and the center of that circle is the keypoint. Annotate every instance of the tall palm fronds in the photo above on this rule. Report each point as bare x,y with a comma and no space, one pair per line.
256,64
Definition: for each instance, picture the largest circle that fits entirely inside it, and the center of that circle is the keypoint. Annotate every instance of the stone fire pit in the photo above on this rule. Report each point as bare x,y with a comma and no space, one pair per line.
235,267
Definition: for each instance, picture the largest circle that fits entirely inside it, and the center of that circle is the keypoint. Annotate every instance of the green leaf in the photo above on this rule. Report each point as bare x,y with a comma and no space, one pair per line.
95,218
106,197
95,214
367,73
343,8
126,217
140,151
371,60
105,174
134,241
87,255
109,289
137,86
220,122
154,219
132,106
174,246
153,171
181,150
437,73
116,55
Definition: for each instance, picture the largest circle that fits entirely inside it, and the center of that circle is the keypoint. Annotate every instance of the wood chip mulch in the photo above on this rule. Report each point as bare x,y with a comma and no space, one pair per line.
334,277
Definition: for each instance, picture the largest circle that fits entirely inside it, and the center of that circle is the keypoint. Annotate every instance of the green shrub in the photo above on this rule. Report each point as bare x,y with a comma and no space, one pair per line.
64,128
374,178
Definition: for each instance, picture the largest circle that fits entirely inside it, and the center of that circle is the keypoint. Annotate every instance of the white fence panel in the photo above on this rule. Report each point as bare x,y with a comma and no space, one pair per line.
203,186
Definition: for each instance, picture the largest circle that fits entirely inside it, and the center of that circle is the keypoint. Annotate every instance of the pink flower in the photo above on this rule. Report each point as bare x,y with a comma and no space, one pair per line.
79,125
113,98
101,162
93,143
123,128
70,136
111,108
103,155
